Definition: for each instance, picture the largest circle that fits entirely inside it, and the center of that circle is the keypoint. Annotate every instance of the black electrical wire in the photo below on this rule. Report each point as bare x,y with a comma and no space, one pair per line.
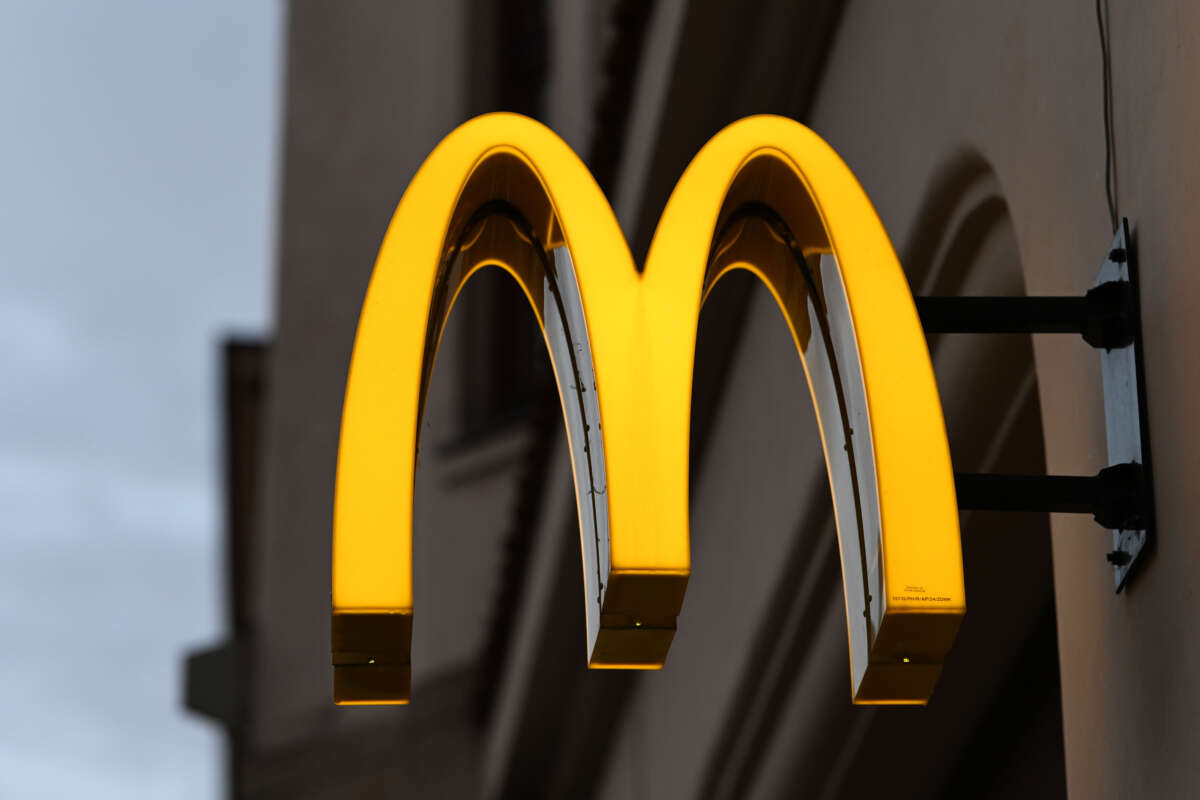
1110,158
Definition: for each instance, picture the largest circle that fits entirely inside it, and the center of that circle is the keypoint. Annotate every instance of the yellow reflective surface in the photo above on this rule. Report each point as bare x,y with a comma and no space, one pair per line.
765,194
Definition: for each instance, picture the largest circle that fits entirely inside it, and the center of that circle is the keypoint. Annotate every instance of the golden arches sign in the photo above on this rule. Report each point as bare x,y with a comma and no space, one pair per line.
766,195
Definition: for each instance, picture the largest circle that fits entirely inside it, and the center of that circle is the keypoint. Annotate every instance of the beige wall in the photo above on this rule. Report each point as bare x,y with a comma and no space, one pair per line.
910,86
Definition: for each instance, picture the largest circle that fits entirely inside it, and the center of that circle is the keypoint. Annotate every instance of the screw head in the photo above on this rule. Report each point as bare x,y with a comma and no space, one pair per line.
1118,558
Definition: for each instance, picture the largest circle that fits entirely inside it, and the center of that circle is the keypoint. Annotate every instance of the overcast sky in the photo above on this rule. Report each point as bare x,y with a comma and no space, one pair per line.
138,155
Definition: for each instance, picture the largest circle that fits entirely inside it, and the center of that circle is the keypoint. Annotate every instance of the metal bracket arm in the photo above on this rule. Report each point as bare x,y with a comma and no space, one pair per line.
1103,317
1114,497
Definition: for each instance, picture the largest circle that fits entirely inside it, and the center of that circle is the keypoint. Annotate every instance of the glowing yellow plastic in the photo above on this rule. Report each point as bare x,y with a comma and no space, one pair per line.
642,332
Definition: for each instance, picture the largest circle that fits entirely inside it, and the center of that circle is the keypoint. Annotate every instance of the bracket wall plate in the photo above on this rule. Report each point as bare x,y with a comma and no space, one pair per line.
1125,413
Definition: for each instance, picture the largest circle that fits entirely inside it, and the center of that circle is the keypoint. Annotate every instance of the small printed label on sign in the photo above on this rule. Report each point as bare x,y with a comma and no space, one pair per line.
918,594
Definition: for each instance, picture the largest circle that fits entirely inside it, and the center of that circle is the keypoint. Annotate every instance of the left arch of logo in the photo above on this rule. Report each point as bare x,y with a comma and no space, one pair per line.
767,195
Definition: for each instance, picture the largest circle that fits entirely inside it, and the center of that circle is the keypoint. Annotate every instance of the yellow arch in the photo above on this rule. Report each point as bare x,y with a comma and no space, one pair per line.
765,194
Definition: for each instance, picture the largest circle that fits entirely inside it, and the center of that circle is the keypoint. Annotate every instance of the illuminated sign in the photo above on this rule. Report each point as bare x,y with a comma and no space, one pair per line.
765,195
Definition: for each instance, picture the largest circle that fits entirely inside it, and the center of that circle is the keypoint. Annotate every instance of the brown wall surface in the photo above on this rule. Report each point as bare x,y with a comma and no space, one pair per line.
911,86
1002,100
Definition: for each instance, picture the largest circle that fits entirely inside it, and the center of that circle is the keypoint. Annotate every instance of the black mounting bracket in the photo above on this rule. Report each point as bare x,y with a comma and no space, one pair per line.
1108,318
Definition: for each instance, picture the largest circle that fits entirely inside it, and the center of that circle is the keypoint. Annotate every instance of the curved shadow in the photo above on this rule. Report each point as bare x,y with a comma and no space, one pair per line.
961,213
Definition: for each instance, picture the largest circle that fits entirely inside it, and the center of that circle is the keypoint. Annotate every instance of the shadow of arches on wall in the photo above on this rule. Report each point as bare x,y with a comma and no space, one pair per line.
994,724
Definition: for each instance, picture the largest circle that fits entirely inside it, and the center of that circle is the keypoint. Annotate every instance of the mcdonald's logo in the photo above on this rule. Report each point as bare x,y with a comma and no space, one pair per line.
765,195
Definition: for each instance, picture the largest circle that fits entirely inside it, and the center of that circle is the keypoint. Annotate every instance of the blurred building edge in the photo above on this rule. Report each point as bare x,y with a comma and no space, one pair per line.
503,706
215,677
